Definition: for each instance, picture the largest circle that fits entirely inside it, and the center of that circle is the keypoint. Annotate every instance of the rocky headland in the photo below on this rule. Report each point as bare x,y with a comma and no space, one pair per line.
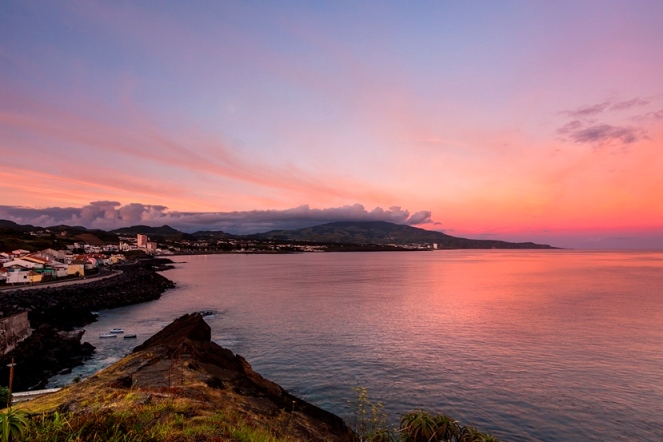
187,387
55,311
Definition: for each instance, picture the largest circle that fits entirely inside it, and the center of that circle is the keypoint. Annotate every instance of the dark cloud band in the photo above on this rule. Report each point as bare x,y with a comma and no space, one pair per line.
110,215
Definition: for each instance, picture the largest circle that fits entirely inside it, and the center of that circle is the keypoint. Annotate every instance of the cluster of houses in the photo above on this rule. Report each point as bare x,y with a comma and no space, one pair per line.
24,267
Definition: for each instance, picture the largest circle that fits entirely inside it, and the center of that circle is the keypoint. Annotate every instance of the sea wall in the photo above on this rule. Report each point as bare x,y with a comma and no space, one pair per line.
13,330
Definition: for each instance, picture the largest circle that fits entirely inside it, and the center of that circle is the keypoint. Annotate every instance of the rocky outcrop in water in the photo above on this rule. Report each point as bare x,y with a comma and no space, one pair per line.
186,344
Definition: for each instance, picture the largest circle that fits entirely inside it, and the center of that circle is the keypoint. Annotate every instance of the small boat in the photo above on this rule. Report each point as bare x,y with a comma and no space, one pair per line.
116,331
107,335
130,336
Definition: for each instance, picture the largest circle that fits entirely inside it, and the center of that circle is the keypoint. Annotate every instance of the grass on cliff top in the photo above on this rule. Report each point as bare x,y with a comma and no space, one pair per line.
137,416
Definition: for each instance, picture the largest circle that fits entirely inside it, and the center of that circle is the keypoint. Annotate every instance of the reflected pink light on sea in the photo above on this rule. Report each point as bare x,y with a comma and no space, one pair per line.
531,345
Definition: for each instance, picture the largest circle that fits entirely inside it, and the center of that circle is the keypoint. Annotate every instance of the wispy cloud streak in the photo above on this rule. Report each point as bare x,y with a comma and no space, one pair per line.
126,146
593,124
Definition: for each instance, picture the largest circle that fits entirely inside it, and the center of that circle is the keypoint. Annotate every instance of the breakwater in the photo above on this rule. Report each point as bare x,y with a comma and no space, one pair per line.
54,311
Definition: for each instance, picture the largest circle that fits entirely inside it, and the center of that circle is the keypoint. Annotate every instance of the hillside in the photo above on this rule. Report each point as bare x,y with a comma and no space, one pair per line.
147,230
11,225
213,234
12,238
33,238
381,232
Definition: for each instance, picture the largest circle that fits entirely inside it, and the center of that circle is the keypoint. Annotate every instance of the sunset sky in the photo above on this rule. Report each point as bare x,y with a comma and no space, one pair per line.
515,120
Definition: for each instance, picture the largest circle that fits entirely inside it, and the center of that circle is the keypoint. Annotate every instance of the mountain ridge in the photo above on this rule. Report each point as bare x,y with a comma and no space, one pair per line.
383,233
379,233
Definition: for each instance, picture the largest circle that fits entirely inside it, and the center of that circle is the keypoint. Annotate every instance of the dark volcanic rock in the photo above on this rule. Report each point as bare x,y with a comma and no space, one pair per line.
186,343
191,327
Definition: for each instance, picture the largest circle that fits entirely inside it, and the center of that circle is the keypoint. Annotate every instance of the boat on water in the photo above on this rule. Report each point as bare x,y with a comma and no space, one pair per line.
107,335
117,331
130,336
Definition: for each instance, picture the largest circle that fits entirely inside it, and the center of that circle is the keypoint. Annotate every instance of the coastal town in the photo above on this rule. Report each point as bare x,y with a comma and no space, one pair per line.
77,260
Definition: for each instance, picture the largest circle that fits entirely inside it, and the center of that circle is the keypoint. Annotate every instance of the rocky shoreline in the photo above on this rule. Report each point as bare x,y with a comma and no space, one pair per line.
54,311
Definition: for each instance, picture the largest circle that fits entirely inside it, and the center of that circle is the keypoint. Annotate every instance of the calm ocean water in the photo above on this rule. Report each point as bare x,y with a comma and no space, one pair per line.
529,345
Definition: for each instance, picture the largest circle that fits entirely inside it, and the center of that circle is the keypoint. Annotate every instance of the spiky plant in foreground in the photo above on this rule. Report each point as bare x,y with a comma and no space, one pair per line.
489,438
470,434
447,429
418,426
13,424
